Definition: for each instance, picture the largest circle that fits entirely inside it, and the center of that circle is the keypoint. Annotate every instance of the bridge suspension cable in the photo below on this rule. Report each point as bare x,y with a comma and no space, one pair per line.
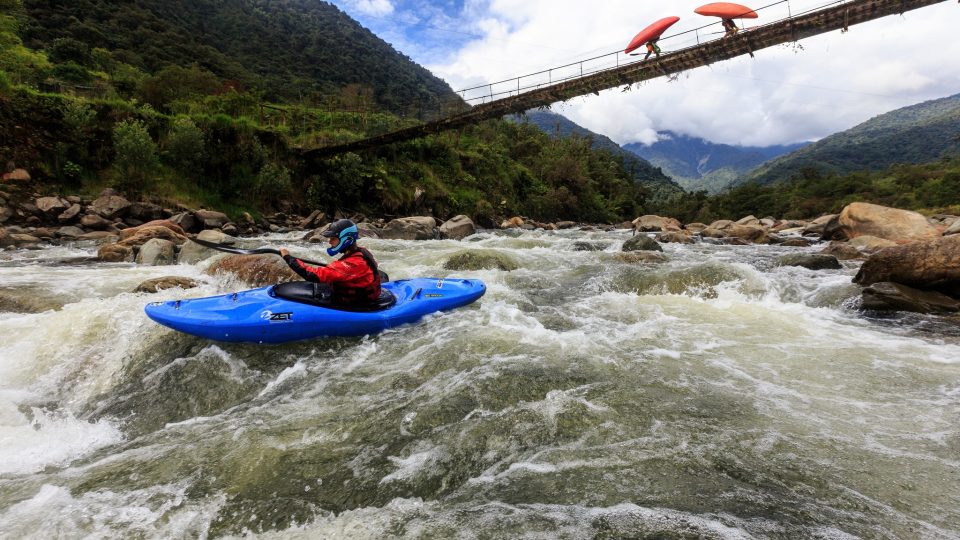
838,15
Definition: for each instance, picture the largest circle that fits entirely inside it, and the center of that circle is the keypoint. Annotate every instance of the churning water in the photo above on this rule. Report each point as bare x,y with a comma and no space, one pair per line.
587,395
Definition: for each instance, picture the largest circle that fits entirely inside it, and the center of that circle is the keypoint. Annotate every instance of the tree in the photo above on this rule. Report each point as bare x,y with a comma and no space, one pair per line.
136,158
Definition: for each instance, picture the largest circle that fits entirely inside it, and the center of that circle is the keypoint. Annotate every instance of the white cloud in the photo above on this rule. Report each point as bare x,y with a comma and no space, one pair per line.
786,94
376,8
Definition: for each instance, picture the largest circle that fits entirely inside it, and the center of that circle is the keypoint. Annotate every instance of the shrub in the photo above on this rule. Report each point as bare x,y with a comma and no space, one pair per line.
5,84
272,183
185,146
136,156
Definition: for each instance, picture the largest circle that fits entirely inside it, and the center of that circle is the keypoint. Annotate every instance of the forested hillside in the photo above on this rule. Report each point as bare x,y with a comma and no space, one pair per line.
917,134
288,50
697,164
661,187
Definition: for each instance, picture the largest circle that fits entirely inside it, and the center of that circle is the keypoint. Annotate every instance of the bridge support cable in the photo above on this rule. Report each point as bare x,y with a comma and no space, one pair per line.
836,17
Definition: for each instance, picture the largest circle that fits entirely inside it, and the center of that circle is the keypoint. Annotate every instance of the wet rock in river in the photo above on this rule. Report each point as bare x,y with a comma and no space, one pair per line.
255,270
157,252
480,260
859,219
928,265
641,242
886,295
192,252
166,282
811,261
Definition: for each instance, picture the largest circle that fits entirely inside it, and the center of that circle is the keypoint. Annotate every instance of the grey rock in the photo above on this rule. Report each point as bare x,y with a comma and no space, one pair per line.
641,242
811,261
157,252
886,295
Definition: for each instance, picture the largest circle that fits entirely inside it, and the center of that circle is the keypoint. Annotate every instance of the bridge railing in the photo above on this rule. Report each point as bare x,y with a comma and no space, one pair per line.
693,37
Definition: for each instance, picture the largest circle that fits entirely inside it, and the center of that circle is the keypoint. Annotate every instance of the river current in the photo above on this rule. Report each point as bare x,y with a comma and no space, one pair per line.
715,395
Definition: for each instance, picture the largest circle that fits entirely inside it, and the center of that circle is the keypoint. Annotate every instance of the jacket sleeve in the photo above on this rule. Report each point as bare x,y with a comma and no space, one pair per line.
335,271
309,273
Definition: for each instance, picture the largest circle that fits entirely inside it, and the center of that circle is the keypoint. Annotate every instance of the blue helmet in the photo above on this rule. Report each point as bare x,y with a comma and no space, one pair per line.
346,231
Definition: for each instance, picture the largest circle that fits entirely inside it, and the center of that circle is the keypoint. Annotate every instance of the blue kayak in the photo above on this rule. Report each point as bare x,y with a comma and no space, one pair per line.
295,311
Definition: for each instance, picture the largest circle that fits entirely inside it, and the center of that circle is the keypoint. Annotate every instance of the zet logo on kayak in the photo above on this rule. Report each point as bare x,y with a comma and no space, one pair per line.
440,283
271,316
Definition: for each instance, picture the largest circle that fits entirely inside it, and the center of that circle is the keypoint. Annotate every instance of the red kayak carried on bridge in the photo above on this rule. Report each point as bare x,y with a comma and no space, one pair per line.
650,33
726,10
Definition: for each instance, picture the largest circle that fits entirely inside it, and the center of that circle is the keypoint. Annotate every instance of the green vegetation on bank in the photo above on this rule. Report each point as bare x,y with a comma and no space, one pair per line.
928,188
489,171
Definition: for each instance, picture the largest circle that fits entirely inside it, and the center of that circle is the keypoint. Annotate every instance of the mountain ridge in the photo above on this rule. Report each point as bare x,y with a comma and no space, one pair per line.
698,164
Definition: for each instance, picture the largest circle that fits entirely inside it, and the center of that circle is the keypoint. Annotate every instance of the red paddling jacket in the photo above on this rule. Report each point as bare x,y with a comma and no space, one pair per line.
354,278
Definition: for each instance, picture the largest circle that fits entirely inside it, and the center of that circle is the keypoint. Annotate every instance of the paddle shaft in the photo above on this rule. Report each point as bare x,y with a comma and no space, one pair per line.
238,251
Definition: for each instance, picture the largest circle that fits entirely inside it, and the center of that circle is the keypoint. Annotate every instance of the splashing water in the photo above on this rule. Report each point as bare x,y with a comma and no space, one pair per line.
715,395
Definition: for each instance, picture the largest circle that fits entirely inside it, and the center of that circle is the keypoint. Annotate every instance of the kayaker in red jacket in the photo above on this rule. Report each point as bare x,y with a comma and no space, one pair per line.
354,278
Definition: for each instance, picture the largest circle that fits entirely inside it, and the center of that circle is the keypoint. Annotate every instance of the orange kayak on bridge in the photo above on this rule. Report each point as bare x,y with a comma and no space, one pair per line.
726,10
651,32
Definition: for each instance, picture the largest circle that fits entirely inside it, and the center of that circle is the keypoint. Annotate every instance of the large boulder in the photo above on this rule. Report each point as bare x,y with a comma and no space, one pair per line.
457,228
255,270
641,242
928,265
818,225
115,253
110,206
653,223
900,226
5,238
675,237
411,228
512,223
69,232
144,211
810,261
166,282
157,252
69,214
480,260
954,228
145,233
132,231
843,251
51,206
750,233
95,221
5,213
886,295
16,175
192,252
187,221
212,219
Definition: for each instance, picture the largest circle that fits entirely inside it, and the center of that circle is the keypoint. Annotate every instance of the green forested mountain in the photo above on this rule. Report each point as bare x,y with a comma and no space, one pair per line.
661,187
697,164
290,50
917,134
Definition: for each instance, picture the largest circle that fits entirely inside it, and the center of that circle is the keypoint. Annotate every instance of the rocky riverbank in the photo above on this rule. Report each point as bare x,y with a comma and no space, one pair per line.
911,263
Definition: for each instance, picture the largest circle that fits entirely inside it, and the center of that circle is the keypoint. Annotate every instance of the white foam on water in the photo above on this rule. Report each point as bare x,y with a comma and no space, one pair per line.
157,512
419,463
44,439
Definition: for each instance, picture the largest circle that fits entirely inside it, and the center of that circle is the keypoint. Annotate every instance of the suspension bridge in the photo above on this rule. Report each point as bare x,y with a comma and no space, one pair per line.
511,96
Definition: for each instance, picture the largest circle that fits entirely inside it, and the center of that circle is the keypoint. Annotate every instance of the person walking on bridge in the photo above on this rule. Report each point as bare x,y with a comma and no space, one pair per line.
652,48
730,27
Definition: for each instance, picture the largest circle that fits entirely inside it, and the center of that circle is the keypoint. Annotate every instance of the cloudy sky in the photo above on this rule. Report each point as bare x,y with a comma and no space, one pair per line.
786,94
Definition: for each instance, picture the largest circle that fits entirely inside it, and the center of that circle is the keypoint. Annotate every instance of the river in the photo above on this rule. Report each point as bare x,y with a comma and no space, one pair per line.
716,395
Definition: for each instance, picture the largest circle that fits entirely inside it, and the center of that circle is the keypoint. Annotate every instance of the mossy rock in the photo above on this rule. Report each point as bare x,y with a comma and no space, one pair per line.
480,260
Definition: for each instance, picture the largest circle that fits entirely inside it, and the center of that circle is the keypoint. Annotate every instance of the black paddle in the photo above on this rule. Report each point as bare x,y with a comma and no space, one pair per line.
238,251
266,251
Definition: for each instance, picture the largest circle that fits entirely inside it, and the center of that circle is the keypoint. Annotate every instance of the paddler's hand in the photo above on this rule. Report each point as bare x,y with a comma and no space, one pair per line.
284,253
